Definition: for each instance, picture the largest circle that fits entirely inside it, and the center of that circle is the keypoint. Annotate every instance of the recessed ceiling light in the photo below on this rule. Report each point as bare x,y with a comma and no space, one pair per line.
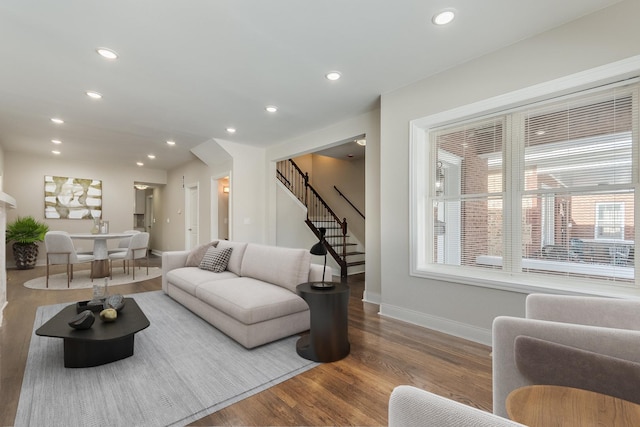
540,132
57,121
94,95
171,143
271,108
231,130
333,75
56,141
107,53
151,156
443,17
361,142
56,152
139,163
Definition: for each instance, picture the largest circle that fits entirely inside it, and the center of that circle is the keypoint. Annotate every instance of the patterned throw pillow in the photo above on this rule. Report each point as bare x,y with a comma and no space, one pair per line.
195,256
216,259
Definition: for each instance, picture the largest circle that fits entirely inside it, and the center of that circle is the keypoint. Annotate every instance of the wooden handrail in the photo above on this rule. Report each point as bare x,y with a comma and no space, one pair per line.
317,209
284,179
349,201
297,168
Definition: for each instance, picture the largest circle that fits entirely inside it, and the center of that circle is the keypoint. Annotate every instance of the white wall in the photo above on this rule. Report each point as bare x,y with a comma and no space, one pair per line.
606,36
248,192
24,180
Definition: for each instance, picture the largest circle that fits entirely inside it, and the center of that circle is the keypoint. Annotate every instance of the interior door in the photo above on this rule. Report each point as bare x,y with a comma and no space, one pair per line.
149,218
192,222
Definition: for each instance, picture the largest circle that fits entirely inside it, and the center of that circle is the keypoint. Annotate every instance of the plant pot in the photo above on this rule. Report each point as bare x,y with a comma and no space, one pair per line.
25,255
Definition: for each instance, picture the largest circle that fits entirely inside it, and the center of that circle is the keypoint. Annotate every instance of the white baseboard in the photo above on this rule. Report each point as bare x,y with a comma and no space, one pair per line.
371,297
440,324
358,269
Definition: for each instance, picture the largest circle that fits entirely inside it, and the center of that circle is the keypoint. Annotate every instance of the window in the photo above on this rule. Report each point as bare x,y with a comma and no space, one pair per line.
544,190
609,221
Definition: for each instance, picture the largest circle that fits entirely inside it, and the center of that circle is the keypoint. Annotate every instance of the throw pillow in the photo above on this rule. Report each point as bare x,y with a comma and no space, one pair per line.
195,256
216,259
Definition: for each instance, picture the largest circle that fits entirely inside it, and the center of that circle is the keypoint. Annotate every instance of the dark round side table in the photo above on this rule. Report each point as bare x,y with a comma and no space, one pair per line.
328,339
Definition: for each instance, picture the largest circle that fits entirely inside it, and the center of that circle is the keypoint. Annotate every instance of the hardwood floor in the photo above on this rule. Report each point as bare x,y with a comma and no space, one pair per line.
353,391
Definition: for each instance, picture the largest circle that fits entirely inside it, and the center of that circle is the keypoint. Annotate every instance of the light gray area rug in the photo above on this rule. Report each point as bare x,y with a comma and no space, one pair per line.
182,370
82,279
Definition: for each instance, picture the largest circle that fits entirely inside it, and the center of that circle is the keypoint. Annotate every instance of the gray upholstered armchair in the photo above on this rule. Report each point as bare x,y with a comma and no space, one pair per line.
585,342
413,407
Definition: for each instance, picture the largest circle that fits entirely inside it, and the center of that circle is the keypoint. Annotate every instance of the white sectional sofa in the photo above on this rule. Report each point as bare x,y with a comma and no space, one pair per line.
254,301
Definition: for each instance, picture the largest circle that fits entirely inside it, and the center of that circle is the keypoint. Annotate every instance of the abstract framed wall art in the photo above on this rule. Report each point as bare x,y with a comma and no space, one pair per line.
72,198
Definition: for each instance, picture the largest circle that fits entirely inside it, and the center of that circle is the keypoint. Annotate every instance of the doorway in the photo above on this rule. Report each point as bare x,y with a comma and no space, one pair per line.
221,207
149,219
191,217
142,212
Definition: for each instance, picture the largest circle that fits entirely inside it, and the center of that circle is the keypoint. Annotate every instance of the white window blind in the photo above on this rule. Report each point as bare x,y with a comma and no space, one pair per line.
548,188
468,191
578,156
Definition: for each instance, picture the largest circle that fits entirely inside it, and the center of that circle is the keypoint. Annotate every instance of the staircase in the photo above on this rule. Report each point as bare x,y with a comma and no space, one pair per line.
319,215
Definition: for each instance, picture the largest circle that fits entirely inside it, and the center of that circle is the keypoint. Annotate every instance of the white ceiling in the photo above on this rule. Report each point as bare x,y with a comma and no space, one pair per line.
190,69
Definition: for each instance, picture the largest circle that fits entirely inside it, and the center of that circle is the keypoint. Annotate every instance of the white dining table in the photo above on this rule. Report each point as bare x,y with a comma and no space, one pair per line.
100,249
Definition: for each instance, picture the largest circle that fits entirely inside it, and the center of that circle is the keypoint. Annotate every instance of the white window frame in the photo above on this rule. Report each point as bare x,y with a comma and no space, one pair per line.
420,150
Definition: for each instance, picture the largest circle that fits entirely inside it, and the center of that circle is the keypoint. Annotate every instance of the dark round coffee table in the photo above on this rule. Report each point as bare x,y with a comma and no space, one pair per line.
103,342
328,338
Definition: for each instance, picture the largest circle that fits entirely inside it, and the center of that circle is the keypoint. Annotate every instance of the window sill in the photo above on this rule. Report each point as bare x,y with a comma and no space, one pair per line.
525,283
615,271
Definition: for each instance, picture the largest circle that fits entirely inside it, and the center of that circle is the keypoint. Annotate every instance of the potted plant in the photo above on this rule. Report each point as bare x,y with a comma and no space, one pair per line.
25,233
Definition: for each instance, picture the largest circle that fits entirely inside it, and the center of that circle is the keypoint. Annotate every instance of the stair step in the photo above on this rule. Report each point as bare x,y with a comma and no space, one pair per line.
354,253
353,264
347,244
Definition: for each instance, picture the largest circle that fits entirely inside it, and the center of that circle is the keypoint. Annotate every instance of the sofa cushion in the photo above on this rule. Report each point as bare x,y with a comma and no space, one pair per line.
188,278
249,300
216,259
195,256
235,261
286,267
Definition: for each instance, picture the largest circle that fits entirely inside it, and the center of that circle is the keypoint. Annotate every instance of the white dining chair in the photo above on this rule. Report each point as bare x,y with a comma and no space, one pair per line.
60,251
138,249
123,244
